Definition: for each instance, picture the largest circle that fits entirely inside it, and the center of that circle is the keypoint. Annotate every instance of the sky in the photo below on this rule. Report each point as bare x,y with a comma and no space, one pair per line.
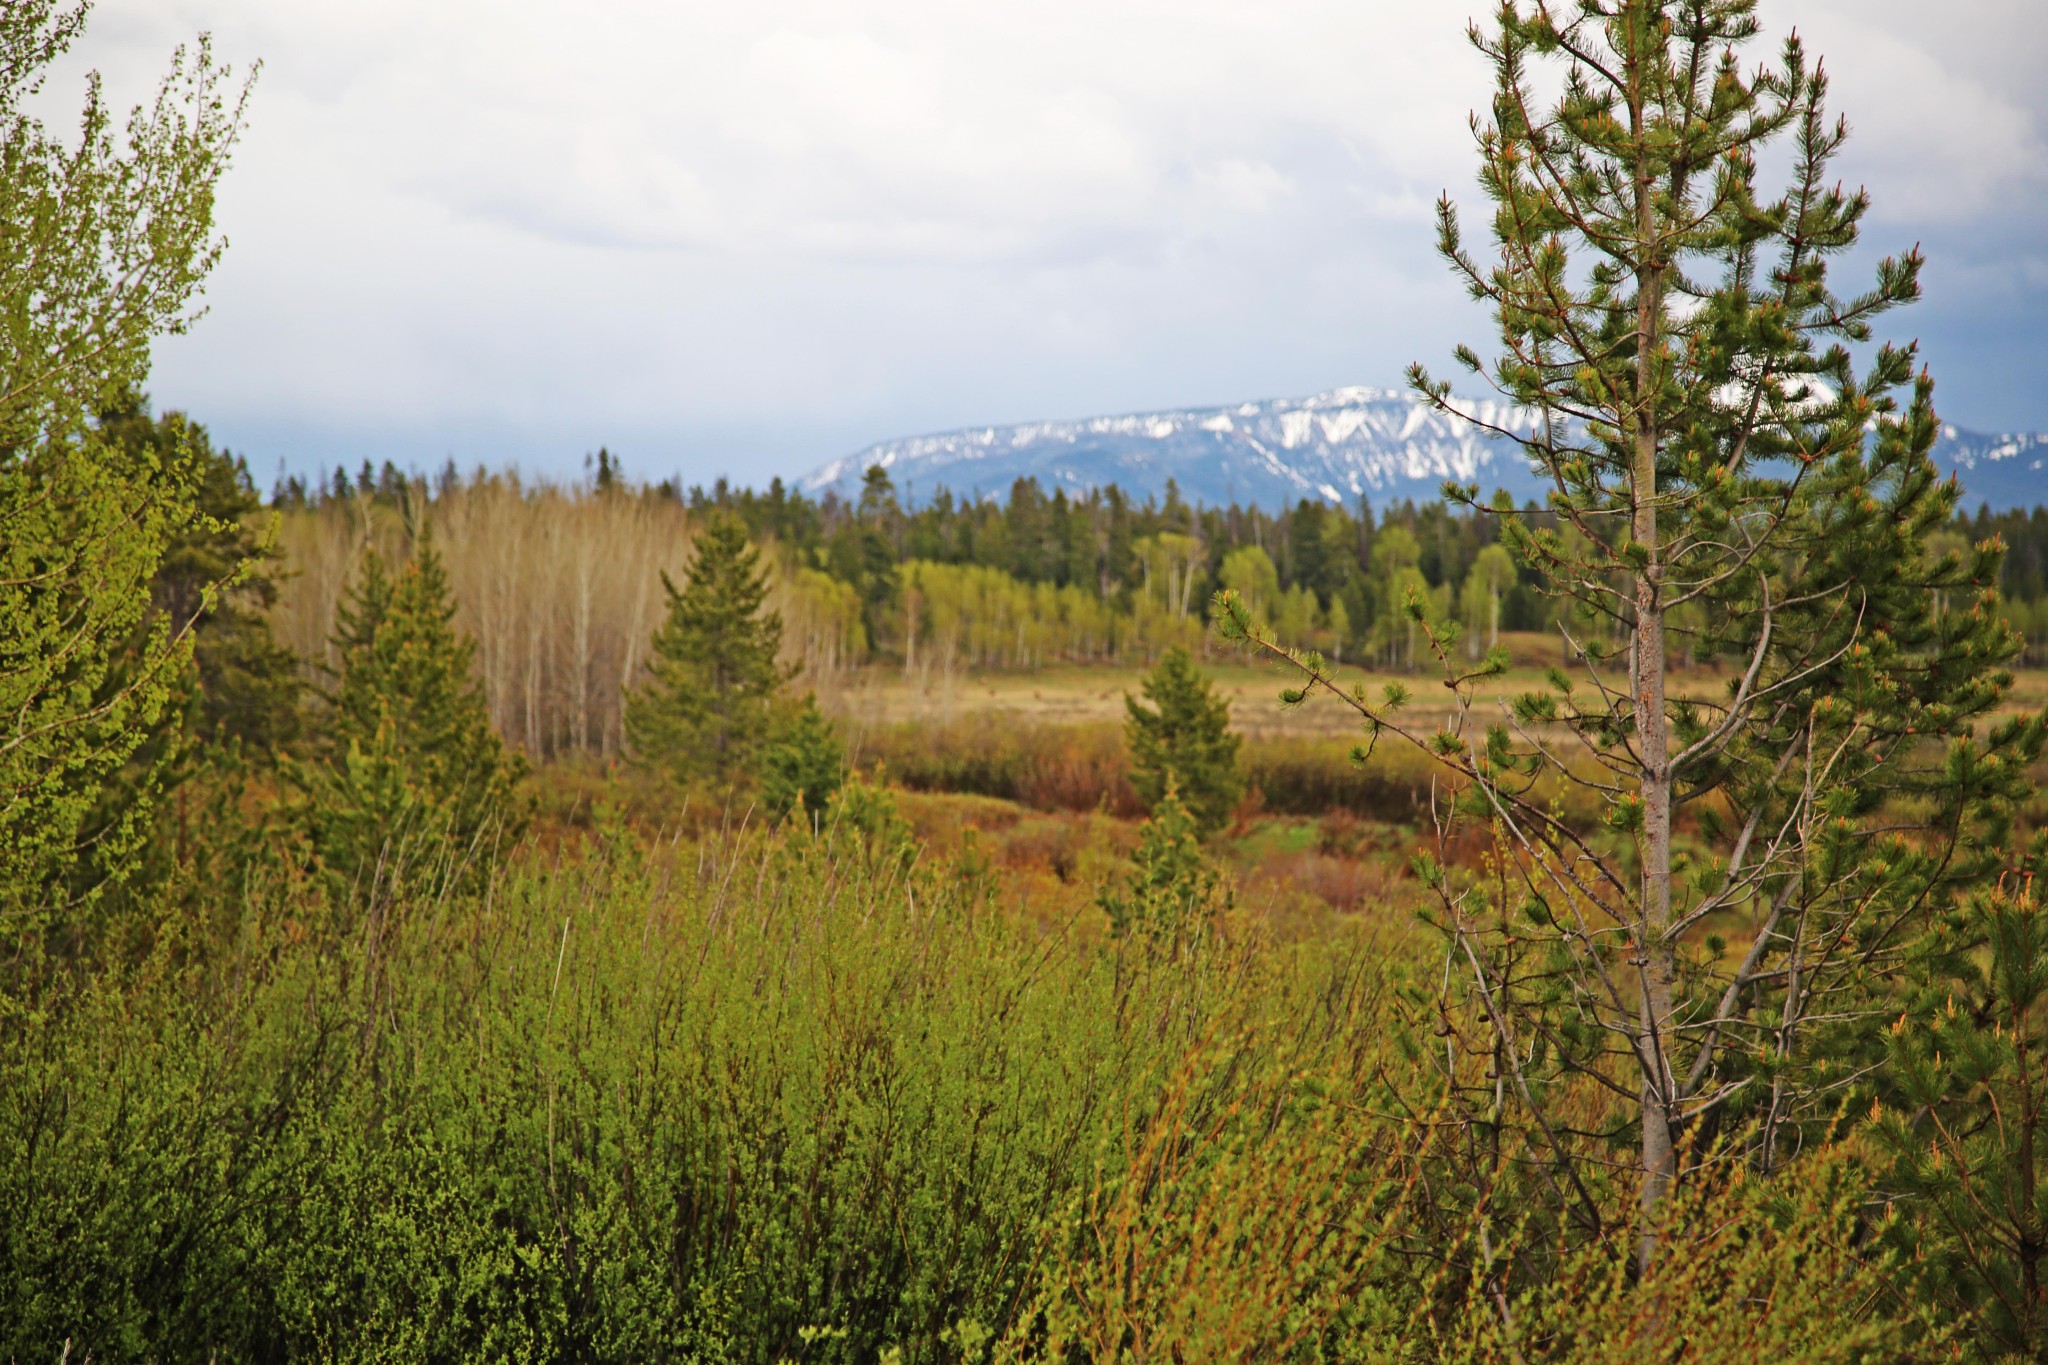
742,239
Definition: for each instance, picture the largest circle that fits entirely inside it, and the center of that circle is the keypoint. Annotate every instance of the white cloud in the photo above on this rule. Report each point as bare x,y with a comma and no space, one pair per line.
788,226
1941,130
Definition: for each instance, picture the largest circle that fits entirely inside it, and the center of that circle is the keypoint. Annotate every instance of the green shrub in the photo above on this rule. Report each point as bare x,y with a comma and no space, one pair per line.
616,1110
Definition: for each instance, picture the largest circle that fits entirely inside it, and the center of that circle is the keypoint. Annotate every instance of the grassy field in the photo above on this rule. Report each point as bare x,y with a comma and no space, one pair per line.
1032,767
1072,695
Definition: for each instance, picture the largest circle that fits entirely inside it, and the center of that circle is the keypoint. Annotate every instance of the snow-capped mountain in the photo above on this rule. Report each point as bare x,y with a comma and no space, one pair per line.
1336,446
2004,471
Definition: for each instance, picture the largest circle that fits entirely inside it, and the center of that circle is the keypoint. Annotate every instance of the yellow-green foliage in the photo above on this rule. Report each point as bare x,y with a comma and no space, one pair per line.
973,616
613,1111
1751,1270
799,1097
85,675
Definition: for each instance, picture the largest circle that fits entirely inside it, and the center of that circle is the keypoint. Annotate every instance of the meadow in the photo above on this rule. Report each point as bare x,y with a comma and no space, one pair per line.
883,1093
634,1065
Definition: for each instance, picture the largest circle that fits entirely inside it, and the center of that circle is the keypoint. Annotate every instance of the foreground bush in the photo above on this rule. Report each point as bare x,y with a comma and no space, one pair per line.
603,1114
794,1098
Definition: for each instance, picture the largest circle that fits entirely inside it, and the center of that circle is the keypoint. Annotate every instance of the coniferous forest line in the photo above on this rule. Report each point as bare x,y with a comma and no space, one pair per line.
560,583
457,918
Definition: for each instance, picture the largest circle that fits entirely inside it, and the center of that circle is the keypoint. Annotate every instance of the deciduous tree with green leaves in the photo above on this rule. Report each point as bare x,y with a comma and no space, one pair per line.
107,240
1719,430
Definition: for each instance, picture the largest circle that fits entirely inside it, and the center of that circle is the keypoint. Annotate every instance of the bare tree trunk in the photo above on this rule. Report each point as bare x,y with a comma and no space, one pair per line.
909,631
580,652
1654,946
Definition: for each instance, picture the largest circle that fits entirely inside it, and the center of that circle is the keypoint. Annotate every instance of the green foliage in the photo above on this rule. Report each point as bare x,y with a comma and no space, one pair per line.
795,1096
706,708
1248,571
1731,478
105,248
87,677
108,238
802,764
978,617
771,1091
1183,740
1757,1271
236,705
1172,892
1481,599
219,578
865,825
864,551
1963,1113
412,781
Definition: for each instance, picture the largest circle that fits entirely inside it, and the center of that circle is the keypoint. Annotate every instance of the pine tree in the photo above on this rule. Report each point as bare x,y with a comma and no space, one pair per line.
1964,1113
1172,890
1715,456
1183,741
706,710
803,763
412,779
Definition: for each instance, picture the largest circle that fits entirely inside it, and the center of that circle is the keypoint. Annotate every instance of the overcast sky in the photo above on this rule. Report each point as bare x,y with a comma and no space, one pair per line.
744,238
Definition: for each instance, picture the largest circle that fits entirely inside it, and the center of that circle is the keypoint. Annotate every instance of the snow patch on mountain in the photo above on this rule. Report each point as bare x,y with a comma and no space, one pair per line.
1333,447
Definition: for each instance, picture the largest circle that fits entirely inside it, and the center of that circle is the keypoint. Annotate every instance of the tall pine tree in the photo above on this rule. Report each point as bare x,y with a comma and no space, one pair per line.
413,782
1720,461
707,708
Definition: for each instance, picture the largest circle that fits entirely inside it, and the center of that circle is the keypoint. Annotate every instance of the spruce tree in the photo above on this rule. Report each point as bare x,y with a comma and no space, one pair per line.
1171,889
864,550
706,709
1183,742
1726,454
217,580
803,763
412,780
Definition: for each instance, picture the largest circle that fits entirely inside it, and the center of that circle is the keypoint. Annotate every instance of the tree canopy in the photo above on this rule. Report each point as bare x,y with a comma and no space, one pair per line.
705,709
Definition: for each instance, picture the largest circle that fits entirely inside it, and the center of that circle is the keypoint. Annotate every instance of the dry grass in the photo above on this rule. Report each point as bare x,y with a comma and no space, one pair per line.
881,696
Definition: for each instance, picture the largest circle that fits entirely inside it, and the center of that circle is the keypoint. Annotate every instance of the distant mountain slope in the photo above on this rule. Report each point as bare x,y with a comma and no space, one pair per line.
2005,471
1335,446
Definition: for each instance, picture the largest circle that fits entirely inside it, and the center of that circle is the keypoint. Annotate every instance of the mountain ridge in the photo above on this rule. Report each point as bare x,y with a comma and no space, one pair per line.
1335,446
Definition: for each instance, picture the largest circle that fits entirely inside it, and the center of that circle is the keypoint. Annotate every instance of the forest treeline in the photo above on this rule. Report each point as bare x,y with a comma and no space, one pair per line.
559,581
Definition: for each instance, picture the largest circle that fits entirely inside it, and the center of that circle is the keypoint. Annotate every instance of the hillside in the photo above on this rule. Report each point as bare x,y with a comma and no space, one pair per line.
1336,447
